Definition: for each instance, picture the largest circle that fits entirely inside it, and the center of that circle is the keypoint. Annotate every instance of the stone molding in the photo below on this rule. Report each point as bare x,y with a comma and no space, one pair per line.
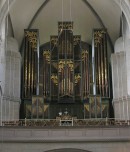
125,98
10,98
68,134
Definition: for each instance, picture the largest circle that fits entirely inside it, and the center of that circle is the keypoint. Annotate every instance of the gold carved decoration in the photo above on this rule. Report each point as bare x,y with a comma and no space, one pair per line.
54,40
65,25
70,65
61,65
32,36
77,78
84,54
86,106
46,107
47,55
103,107
98,35
77,39
54,78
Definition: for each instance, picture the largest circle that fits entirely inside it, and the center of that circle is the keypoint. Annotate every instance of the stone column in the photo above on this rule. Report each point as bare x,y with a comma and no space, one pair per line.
120,81
11,96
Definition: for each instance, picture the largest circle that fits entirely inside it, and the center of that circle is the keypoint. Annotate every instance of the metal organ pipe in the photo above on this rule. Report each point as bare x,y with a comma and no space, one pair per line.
99,67
46,78
96,66
32,71
44,75
62,80
87,70
26,69
106,66
84,75
29,72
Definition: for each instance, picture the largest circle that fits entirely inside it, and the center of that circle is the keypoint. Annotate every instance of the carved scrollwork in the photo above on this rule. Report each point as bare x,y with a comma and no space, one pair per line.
84,54
61,65
77,39
98,35
65,25
70,65
47,55
54,78
32,37
54,40
77,78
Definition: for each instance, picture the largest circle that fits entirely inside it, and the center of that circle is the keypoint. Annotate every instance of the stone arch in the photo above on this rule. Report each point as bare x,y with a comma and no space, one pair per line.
67,150
125,9
125,4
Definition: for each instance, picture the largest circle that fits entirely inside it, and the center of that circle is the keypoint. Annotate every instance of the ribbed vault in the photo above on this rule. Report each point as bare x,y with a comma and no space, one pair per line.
44,15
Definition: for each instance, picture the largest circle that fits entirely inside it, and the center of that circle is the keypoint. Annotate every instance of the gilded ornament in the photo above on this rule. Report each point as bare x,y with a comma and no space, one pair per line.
70,65
54,78
47,55
77,78
61,65
54,40
76,39
84,54
98,35
32,36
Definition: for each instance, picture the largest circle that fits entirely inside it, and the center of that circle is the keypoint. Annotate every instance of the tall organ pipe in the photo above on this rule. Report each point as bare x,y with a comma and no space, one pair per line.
32,71
106,66
102,74
97,74
25,67
87,70
38,75
29,70
99,64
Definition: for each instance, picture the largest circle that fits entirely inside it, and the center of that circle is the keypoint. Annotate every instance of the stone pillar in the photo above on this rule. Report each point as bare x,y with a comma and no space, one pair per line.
2,68
120,81
11,95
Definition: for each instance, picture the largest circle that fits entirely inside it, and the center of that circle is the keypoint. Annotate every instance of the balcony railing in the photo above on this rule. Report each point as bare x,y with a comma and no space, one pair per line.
69,122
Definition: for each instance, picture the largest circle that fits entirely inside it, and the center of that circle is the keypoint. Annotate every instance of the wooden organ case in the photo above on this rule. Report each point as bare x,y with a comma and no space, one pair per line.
99,97
73,76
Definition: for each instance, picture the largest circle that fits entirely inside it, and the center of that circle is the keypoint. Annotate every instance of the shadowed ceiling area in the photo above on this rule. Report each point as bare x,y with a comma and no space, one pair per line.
45,14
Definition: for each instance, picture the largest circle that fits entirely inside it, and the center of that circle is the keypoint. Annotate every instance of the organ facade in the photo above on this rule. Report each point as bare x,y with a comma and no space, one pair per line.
66,74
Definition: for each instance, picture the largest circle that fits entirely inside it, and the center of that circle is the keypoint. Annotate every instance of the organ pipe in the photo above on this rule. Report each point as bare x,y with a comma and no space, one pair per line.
68,45
29,81
101,67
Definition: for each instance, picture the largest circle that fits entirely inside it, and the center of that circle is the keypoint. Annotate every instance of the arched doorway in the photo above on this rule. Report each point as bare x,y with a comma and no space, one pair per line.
67,150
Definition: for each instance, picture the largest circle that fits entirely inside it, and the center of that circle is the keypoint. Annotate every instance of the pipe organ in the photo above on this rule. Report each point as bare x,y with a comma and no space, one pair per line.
101,63
72,74
29,79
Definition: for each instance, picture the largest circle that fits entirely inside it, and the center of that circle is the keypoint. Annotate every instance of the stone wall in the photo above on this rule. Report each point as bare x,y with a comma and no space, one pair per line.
41,140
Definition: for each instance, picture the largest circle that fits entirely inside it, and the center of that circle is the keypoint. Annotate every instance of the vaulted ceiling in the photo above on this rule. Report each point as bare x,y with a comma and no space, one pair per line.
45,14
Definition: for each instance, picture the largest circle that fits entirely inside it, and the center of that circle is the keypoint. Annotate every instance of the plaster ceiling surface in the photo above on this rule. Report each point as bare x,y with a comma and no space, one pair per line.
77,11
